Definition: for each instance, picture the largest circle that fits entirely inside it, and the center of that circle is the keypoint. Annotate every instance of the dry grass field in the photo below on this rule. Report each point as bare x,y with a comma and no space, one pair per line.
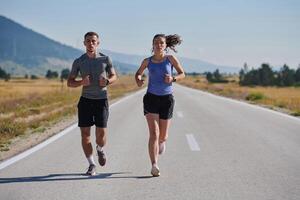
286,99
30,106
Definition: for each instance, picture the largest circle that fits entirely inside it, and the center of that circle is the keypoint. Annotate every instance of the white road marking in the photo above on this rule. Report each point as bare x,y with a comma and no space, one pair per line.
179,114
192,142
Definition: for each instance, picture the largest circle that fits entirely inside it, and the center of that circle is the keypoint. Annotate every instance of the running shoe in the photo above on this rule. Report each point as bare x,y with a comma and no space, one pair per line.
91,170
101,158
155,171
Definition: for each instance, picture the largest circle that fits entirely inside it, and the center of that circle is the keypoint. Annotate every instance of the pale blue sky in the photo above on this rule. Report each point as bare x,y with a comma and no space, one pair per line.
224,32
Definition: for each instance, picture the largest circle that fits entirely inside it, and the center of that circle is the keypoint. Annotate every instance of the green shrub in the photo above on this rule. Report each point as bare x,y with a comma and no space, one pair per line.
296,113
8,131
255,96
10,128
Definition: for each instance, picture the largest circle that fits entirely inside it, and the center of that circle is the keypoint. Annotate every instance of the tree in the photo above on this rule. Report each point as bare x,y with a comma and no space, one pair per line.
297,75
209,76
3,73
246,68
34,77
242,73
64,74
286,76
51,74
217,75
266,75
241,76
251,78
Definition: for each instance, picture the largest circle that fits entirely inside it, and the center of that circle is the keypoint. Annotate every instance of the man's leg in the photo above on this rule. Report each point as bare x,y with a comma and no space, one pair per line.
101,136
101,141
88,149
86,141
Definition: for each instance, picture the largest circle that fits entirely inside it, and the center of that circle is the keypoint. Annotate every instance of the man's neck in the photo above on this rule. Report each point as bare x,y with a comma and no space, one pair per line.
91,54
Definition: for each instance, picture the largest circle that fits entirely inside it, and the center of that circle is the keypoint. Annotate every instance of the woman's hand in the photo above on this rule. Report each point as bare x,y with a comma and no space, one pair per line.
168,78
140,81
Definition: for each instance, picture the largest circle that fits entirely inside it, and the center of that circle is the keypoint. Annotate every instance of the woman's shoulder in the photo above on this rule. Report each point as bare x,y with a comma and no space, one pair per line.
147,60
172,58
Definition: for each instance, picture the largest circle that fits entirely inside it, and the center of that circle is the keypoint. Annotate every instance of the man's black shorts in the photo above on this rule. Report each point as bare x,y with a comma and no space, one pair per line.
162,105
92,112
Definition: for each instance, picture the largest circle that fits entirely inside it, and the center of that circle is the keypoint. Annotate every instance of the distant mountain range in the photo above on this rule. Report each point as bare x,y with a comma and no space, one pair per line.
24,51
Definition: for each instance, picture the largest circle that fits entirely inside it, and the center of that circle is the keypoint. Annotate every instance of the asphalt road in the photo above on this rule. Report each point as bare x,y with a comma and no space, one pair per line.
217,149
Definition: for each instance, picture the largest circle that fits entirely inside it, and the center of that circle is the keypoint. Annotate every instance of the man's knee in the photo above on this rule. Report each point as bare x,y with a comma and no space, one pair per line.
100,132
85,134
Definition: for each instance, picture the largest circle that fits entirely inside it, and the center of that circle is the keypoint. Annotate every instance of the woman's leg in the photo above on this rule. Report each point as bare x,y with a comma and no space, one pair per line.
165,113
164,125
153,125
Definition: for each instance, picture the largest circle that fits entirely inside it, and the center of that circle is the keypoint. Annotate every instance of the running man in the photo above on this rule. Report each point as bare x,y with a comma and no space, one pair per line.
97,72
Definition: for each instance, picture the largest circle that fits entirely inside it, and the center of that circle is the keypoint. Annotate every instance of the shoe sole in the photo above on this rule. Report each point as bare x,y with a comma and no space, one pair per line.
92,174
155,175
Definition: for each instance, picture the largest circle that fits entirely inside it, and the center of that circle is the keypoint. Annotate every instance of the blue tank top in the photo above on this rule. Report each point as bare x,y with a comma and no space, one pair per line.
157,72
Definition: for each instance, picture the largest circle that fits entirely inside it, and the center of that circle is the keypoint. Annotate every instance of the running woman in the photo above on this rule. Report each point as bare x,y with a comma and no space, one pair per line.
159,100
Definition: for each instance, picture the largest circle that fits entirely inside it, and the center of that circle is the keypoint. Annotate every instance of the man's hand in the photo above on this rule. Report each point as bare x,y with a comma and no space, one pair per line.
103,81
86,81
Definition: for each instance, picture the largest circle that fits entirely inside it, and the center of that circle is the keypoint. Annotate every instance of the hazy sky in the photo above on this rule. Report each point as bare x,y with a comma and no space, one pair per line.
225,32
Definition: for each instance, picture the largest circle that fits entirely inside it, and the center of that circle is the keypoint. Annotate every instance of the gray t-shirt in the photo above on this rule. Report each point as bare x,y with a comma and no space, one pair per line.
94,67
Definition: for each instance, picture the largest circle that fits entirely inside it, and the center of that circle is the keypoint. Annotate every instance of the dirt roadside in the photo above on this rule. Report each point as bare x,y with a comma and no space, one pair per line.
27,141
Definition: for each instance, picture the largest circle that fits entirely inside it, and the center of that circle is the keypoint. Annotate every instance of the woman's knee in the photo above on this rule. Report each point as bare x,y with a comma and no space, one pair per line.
154,135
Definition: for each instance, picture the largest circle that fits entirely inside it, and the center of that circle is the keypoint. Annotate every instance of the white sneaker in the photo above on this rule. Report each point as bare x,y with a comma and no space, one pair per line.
155,171
162,147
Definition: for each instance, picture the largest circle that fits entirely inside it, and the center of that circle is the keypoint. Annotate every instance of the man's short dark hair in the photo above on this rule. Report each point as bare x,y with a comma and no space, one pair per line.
91,33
